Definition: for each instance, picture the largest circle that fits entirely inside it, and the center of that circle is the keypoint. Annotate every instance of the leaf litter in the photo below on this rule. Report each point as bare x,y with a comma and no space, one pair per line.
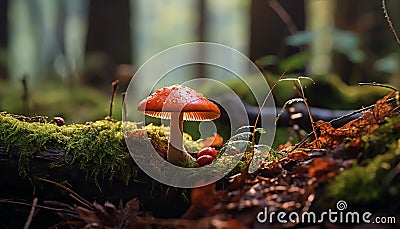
292,183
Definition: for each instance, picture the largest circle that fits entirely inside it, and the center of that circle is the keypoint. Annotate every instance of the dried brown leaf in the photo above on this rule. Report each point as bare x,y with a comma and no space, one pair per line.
298,156
88,216
322,167
127,217
287,145
202,198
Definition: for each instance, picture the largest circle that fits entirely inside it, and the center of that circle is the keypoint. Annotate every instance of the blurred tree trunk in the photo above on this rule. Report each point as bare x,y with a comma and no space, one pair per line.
46,37
108,41
3,39
320,19
268,30
23,53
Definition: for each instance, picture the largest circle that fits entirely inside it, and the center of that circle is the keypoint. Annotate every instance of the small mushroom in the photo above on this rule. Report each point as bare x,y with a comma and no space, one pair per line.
178,103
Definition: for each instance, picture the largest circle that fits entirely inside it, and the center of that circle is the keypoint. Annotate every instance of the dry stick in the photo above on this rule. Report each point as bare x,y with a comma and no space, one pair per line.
73,194
31,213
389,21
124,107
114,91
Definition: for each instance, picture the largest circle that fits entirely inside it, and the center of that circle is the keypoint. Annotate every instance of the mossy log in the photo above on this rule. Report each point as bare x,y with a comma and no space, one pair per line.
92,159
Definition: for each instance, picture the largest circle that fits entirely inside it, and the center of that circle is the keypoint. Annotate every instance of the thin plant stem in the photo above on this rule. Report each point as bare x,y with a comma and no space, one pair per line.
300,92
31,214
378,85
389,21
253,135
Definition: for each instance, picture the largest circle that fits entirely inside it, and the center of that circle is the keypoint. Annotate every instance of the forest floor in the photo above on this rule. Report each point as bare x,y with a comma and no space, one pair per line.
82,175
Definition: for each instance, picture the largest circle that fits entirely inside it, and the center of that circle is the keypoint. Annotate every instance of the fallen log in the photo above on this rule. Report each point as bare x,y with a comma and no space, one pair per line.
92,159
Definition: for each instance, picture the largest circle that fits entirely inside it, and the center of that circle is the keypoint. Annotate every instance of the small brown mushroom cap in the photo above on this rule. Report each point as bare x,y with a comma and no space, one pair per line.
179,98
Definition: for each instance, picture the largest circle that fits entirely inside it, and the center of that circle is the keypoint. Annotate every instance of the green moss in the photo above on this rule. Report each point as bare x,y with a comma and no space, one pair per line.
98,148
369,180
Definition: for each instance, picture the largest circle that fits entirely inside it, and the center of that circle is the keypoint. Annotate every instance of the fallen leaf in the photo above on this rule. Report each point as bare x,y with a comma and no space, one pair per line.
213,141
202,199
298,156
88,216
322,166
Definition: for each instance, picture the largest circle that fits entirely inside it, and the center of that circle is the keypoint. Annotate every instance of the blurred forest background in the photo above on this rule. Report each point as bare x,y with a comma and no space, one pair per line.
69,51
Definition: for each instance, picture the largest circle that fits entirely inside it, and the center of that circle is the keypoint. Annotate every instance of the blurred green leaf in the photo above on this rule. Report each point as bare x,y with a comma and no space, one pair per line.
388,64
268,60
295,61
348,43
300,38
344,42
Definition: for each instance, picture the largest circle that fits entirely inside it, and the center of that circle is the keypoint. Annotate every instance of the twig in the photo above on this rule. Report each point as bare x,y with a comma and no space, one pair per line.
25,94
124,107
389,21
378,85
38,206
284,15
73,194
31,213
114,91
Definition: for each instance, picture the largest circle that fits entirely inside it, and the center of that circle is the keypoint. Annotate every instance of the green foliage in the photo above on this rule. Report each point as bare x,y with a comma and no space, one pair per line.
373,179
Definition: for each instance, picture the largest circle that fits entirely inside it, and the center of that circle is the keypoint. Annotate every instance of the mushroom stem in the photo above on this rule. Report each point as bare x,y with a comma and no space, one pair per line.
176,152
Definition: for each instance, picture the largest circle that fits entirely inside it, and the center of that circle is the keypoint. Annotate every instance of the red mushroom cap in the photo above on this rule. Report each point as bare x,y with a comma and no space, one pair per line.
178,98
